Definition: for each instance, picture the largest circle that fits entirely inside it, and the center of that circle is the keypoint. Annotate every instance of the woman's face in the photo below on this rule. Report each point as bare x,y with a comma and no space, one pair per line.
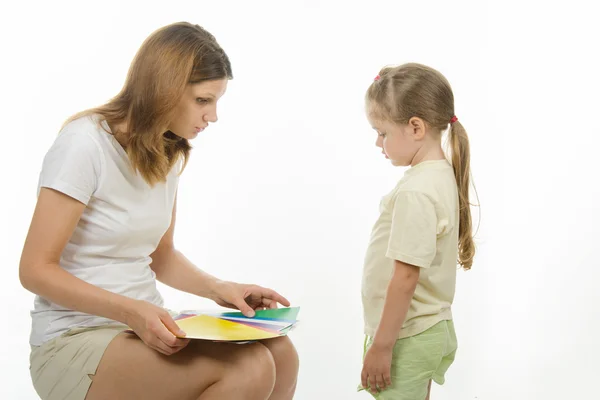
198,107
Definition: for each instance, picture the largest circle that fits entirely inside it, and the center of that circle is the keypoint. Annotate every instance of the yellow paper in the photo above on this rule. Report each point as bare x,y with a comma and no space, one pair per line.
212,328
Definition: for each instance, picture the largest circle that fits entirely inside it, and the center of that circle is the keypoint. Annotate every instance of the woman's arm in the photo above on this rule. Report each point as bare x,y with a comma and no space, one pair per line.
173,269
53,223
54,220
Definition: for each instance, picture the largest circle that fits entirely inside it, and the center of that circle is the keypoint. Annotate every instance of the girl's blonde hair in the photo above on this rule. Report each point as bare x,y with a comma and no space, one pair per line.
169,59
415,90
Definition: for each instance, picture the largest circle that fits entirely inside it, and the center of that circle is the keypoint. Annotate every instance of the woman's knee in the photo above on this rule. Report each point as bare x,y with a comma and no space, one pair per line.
255,367
286,366
284,353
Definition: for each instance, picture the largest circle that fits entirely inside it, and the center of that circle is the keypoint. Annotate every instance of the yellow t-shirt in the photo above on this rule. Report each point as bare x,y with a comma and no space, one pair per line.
418,225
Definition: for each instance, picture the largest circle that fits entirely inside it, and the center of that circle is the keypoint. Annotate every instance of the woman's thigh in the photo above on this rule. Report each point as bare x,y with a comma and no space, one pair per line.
130,369
60,368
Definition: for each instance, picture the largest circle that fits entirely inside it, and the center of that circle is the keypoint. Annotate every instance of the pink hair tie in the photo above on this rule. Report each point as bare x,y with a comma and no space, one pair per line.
453,119
377,77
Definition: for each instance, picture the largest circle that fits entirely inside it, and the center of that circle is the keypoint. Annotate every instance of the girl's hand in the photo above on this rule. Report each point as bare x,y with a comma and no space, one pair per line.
246,298
155,327
376,369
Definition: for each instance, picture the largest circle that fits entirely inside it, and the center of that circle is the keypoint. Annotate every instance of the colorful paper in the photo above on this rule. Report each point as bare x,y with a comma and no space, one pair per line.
236,327
211,328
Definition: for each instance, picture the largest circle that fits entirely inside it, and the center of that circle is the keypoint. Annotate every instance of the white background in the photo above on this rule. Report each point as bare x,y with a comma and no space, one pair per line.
284,189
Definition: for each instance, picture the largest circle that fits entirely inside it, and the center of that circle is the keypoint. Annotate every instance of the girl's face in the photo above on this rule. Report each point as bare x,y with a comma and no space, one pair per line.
198,107
399,143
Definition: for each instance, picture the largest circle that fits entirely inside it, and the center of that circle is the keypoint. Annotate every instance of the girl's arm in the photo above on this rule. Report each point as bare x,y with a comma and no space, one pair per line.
397,301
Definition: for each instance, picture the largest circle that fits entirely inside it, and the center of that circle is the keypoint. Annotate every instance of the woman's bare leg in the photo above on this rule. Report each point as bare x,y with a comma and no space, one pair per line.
202,371
286,367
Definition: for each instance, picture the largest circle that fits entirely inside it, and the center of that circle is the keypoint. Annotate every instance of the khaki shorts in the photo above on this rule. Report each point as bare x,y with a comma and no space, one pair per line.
417,360
61,368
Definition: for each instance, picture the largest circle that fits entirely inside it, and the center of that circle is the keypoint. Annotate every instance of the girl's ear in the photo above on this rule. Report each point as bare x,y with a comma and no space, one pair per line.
417,128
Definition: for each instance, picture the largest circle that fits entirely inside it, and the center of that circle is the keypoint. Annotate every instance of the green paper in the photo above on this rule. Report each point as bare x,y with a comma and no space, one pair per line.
286,314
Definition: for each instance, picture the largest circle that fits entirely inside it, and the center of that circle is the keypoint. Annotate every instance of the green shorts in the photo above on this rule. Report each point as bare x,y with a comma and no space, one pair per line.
417,360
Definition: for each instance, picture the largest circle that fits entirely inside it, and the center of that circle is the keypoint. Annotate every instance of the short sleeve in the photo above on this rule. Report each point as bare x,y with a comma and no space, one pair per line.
413,236
72,165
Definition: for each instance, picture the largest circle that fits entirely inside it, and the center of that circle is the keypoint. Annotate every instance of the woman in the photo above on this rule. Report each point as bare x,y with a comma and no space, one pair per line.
102,233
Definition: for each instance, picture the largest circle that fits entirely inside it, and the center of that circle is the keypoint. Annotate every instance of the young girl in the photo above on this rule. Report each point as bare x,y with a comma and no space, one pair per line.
102,235
423,229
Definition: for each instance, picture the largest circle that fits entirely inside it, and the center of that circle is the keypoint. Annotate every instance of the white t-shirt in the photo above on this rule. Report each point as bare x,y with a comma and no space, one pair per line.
418,225
121,226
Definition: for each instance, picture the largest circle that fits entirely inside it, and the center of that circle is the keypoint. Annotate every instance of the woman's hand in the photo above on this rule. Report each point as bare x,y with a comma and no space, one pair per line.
246,298
155,327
